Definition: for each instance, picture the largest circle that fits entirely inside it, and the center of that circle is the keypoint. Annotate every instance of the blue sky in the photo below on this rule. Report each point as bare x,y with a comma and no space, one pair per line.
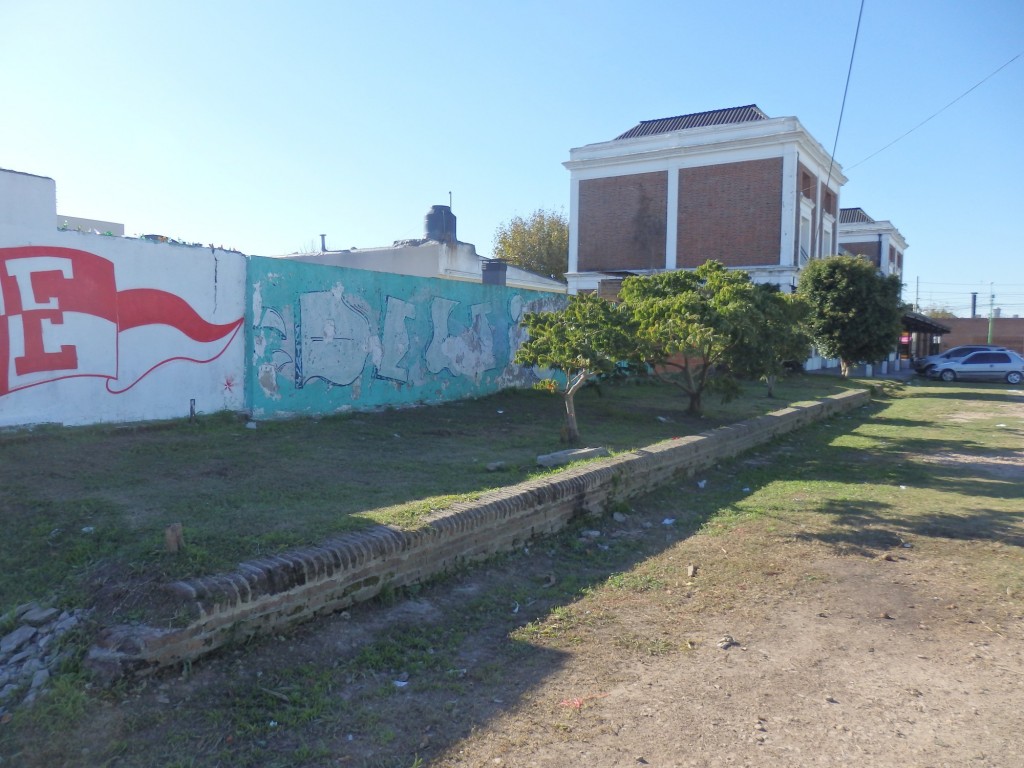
259,125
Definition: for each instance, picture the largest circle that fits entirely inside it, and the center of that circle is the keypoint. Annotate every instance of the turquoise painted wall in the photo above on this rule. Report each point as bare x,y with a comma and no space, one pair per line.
326,339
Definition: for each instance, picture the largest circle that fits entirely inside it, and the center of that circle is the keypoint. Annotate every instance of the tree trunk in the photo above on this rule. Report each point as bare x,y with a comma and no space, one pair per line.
770,381
572,432
844,368
694,409
572,386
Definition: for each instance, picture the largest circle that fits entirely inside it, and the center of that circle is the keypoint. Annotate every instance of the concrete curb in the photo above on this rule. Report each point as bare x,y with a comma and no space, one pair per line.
266,595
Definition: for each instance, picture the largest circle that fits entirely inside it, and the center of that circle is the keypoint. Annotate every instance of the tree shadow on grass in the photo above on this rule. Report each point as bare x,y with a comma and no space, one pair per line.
403,677
870,529
978,393
856,529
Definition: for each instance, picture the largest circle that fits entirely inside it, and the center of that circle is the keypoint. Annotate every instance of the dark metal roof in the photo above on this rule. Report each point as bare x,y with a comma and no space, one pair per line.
696,120
914,321
854,216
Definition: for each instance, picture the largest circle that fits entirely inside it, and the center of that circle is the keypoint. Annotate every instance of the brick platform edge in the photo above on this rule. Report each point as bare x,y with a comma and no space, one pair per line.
264,596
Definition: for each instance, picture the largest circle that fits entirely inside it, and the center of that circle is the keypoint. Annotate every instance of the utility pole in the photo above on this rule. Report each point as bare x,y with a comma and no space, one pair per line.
991,309
974,304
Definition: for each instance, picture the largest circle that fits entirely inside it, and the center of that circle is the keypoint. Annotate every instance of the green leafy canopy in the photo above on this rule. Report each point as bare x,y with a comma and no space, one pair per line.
855,311
589,337
539,243
690,323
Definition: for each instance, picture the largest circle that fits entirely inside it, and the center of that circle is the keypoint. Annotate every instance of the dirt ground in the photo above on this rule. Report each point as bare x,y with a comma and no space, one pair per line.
873,665
770,642
882,655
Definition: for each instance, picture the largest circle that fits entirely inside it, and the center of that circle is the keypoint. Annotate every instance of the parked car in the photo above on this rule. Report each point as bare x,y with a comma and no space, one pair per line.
924,365
989,365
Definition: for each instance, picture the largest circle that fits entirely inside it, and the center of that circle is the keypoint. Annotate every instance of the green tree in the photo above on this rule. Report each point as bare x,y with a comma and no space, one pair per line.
539,244
777,335
689,325
939,313
584,340
856,313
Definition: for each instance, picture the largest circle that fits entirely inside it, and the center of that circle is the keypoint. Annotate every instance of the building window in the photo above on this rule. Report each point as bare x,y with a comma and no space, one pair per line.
806,223
805,240
827,227
807,185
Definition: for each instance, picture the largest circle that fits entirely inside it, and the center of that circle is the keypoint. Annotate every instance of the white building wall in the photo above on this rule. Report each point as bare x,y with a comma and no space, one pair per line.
428,258
27,202
96,328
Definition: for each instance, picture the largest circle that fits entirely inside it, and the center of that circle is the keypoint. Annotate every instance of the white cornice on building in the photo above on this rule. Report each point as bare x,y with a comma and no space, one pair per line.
857,232
706,145
785,276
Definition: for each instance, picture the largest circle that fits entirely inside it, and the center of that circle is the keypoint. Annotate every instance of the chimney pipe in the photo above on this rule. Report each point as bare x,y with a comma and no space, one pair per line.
495,271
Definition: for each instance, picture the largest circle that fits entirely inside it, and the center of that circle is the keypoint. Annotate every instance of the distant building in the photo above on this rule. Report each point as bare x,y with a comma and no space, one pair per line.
754,192
92,226
878,241
438,254
1002,330
882,244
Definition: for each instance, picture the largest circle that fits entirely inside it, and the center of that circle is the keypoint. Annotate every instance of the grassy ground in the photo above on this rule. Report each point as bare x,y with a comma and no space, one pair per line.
870,568
91,504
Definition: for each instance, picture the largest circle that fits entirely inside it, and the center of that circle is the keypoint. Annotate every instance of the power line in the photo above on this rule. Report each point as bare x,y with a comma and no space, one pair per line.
979,284
954,101
846,90
968,291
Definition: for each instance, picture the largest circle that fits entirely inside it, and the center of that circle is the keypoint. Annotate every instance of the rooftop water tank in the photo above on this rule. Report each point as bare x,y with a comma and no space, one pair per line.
440,224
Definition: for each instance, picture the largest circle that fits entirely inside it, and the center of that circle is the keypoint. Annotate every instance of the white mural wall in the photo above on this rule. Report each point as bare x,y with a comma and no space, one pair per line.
99,328
111,329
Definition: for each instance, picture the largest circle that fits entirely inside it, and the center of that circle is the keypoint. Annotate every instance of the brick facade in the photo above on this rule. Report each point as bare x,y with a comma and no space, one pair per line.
730,212
734,187
622,222
1006,331
868,249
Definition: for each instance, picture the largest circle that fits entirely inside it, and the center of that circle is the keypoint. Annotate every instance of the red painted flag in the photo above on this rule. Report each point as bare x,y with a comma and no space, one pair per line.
61,316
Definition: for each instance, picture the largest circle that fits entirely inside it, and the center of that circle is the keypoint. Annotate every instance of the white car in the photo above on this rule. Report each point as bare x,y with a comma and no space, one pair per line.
924,365
988,365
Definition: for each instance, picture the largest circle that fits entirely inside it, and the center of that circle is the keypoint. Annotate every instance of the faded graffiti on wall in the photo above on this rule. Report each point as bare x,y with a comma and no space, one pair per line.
372,339
62,316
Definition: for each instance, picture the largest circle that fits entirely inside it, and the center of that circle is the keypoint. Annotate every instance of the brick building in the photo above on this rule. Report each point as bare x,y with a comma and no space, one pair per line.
878,241
1005,331
754,192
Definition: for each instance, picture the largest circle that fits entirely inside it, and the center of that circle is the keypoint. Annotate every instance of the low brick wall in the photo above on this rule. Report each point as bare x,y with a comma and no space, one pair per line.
263,596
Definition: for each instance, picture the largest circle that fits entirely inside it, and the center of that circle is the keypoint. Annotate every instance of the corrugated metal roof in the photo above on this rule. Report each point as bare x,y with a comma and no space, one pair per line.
696,120
854,216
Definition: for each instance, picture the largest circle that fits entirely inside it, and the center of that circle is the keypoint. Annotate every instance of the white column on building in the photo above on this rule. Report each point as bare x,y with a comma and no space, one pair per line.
574,223
819,220
790,195
671,218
